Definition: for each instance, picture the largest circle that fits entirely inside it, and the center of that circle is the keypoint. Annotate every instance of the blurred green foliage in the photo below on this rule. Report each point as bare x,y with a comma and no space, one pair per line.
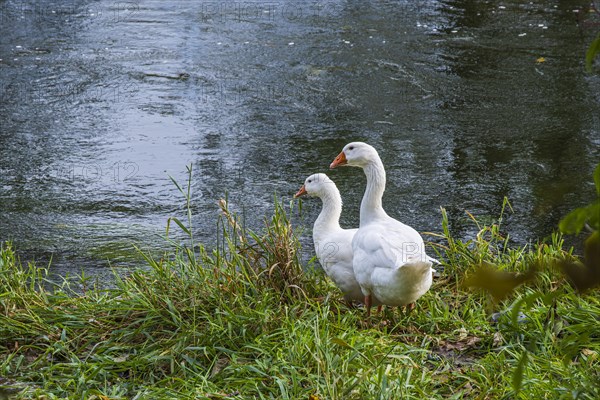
585,275
591,53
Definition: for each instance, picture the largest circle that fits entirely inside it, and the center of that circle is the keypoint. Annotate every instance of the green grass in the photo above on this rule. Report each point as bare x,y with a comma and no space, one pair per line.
248,320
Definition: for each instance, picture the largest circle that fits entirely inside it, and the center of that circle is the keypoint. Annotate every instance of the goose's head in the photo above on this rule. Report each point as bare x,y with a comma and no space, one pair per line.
316,185
355,154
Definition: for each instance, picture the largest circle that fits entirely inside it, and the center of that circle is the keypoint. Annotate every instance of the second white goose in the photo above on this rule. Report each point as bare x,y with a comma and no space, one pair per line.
333,244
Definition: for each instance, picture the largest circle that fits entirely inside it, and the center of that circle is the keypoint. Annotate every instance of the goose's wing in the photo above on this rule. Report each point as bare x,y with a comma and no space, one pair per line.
389,246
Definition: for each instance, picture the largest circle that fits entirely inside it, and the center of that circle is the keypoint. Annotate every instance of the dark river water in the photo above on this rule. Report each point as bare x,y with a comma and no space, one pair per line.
466,101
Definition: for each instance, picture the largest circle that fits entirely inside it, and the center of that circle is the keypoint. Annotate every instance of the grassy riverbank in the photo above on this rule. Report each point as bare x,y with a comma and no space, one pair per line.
247,320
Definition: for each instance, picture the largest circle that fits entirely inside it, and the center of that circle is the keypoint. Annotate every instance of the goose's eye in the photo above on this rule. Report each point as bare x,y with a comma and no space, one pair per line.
310,180
351,148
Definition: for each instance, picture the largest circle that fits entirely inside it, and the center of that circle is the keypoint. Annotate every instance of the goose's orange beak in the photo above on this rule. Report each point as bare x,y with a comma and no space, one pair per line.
300,192
339,161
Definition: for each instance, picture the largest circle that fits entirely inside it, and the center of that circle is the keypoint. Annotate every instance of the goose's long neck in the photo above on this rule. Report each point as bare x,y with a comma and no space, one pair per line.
329,218
371,206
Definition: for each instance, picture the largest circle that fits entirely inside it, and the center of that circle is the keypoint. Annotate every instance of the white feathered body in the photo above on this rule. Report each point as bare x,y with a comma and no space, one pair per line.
334,252
390,262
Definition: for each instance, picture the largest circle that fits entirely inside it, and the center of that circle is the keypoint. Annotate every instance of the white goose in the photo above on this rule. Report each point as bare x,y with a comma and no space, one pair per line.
333,244
389,257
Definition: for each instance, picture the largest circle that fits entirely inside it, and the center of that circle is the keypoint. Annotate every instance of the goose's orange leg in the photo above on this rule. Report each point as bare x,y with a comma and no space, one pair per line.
368,302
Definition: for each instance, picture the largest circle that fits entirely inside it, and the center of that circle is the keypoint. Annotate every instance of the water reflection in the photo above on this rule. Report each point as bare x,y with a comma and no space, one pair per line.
522,124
